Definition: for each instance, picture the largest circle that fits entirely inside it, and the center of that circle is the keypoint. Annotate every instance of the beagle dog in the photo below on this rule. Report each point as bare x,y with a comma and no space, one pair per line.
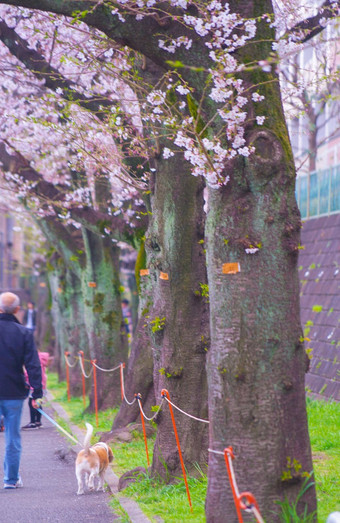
92,462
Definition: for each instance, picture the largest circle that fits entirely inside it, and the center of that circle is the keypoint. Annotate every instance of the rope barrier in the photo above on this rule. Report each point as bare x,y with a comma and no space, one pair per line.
244,501
106,370
153,417
189,415
93,362
81,362
67,377
67,354
139,397
251,504
121,373
123,388
164,392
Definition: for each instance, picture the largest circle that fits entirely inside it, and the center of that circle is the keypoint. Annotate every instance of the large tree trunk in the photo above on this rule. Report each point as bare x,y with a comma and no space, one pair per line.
138,379
68,318
45,337
257,360
103,315
256,363
178,317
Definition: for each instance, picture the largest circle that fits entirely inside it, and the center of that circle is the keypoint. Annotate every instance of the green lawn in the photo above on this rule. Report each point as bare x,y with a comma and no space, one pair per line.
324,430
170,502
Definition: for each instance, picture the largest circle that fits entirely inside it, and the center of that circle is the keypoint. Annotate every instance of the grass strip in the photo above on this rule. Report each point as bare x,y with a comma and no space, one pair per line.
169,502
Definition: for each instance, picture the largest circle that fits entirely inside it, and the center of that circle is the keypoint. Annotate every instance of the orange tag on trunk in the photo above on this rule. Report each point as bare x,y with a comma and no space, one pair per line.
92,284
144,272
230,268
164,276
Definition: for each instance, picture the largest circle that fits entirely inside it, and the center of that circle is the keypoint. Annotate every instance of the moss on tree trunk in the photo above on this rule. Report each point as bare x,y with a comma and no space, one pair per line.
177,319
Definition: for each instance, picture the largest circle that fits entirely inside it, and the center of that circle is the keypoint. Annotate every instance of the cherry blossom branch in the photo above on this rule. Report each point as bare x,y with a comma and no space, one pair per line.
312,26
52,196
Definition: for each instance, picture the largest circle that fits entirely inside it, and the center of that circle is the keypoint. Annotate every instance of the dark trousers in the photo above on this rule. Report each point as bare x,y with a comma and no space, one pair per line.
35,415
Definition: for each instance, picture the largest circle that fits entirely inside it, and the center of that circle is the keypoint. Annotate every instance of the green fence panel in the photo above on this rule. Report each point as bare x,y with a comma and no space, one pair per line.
323,196
335,189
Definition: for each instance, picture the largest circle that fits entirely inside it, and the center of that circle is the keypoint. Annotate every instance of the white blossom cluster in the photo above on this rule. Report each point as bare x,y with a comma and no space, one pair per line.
223,32
57,137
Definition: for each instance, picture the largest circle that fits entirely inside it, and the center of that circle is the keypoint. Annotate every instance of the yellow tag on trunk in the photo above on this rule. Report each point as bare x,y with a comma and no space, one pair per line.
231,268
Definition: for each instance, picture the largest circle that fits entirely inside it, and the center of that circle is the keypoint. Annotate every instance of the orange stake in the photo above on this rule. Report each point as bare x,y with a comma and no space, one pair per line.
122,366
67,376
139,397
228,452
83,377
250,501
95,389
164,392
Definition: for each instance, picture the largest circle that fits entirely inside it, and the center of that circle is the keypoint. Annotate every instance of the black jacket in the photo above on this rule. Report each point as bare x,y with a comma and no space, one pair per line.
34,317
17,349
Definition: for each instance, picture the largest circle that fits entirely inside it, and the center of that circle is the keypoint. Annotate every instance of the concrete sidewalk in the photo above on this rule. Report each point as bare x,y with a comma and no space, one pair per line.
131,508
50,485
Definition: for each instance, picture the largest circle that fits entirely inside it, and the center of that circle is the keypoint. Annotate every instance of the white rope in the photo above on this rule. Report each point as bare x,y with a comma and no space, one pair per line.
257,514
233,475
182,411
231,467
106,370
69,364
153,417
252,508
125,398
83,370
216,452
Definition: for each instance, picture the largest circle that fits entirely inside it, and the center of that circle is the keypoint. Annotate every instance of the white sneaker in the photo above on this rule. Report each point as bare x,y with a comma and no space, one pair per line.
19,483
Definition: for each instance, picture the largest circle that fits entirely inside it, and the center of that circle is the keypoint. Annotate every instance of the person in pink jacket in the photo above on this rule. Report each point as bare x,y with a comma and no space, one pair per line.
35,415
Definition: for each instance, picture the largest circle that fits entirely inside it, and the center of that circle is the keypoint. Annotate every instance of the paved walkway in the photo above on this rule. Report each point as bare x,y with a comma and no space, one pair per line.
50,485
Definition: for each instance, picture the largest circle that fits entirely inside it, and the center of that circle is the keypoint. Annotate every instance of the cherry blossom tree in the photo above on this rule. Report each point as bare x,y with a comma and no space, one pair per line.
137,377
311,95
215,96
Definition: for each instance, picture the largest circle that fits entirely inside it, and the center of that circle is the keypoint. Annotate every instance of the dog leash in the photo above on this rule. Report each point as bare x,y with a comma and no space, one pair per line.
59,427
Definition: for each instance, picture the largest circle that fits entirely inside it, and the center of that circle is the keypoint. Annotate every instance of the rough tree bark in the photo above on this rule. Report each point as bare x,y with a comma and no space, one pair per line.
178,315
68,318
138,376
257,360
103,314
93,258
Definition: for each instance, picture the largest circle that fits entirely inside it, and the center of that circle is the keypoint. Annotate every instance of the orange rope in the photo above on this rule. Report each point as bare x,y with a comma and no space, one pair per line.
83,377
164,392
67,377
93,362
139,397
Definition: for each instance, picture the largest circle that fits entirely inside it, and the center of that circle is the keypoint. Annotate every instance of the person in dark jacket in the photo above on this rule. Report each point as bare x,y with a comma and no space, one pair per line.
30,316
17,349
